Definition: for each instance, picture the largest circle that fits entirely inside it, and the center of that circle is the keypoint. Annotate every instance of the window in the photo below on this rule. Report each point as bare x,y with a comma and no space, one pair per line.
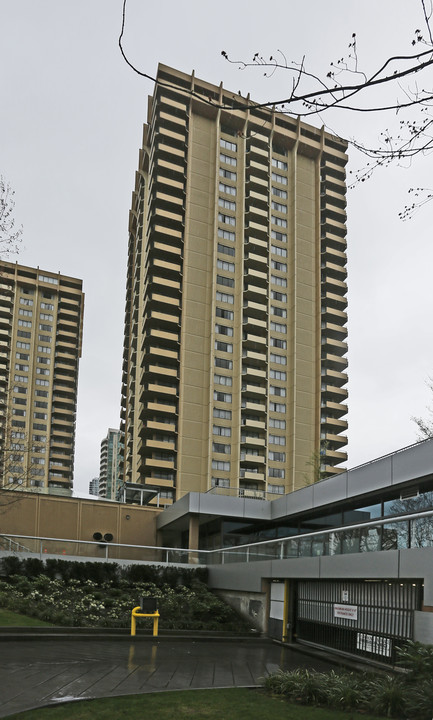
23,345
223,346
20,401
44,349
21,378
220,482
221,430
23,368
224,330
223,414
282,252
41,393
281,237
41,404
226,314
39,426
277,472
222,297
222,280
42,382
47,306
25,313
226,234
227,204
277,439
40,416
222,397
279,178
45,316
277,280
278,207
276,342
277,390
39,438
279,359
221,448
44,360
42,371
277,374
228,145
24,333
281,312
26,301
226,250
280,164
224,363
21,356
277,456
280,222
17,446
18,435
275,265
278,327
228,159
279,193
220,465
18,411
22,390
38,460
45,278
44,338
277,407
47,328
223,265
281,297
223,380
228,189
276,489
24,323
227,219
228,174
18,423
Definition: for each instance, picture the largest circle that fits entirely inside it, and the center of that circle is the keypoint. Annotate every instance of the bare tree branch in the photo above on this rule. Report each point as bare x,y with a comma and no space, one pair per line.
10,237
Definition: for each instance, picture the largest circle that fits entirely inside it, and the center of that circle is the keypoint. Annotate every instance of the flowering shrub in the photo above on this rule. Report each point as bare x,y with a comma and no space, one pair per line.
184,600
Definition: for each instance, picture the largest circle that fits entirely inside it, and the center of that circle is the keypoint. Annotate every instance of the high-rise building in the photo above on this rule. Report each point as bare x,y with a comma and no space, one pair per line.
109,467
94,486
41,319
235,327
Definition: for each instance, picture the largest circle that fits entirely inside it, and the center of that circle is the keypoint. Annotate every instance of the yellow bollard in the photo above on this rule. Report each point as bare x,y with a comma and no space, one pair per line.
135,614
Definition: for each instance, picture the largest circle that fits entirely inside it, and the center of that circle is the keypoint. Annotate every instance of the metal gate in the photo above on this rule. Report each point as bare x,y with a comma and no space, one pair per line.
368,618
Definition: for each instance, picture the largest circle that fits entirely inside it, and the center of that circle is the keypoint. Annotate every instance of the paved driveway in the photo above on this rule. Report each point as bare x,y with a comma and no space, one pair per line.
47,671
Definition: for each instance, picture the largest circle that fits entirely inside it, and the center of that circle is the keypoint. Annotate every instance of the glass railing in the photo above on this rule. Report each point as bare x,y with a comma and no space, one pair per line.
399,533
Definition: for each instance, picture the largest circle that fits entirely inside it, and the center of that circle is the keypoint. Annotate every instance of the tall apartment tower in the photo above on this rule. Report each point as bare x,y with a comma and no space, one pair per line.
109,467
235,326
41,319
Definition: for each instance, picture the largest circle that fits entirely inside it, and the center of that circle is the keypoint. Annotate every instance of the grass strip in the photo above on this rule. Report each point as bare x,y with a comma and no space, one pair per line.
225,704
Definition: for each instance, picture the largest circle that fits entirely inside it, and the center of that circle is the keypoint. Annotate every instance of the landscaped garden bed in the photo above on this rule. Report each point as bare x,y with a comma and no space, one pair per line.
89,594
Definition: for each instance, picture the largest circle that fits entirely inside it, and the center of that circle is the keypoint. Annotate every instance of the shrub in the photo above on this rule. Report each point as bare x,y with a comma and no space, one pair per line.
417,659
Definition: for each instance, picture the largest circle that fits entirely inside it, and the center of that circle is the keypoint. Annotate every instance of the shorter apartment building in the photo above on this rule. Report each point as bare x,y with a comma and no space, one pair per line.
41,320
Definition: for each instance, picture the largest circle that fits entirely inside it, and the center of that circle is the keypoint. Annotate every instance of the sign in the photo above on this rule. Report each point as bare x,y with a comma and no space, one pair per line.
373,644
350,612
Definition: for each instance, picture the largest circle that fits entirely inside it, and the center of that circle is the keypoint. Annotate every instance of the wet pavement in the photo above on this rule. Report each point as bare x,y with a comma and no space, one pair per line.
40,671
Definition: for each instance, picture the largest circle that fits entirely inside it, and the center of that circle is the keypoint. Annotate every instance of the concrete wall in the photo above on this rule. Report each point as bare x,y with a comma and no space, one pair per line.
23,513
253,607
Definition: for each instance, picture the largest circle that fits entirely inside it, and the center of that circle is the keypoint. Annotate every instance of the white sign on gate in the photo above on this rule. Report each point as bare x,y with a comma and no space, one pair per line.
350,612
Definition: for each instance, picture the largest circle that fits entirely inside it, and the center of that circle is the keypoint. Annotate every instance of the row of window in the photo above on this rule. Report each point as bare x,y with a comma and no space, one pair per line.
29,303
225,466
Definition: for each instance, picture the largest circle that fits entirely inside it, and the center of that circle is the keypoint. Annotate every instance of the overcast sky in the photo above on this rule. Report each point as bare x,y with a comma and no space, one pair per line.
71,116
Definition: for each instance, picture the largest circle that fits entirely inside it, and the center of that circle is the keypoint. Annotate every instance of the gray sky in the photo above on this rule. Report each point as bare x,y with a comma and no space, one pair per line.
71,116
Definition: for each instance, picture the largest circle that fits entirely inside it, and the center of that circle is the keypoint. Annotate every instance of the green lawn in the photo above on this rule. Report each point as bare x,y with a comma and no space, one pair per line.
230,704
11,619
